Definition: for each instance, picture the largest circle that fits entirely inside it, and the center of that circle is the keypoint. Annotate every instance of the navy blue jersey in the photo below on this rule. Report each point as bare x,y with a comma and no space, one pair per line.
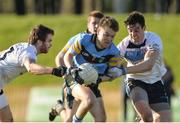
71,41
85,50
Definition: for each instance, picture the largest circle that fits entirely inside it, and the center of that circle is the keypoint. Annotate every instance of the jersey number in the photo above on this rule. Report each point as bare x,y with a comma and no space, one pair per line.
5,54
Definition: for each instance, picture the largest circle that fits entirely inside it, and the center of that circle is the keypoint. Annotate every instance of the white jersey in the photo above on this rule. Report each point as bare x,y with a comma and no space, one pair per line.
12,61
135,53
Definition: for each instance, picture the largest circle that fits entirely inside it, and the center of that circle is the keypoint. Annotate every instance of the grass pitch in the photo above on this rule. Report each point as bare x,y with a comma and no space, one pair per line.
42,99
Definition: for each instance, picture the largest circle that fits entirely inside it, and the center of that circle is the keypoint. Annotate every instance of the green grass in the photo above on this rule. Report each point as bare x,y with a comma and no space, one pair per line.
175,109
15,29
40,103
42,99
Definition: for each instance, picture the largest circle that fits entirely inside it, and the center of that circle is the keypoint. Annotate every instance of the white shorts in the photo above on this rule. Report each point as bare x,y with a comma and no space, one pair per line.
3,101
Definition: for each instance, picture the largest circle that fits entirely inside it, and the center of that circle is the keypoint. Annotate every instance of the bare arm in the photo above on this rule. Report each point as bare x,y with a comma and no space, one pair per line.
59,60
68,59
34,68
146,65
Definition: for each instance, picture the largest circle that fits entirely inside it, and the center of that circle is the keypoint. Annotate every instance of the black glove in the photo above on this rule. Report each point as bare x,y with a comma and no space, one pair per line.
59,71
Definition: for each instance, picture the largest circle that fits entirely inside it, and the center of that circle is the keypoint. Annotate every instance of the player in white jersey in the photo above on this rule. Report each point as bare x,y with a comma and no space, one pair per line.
21,58
143,52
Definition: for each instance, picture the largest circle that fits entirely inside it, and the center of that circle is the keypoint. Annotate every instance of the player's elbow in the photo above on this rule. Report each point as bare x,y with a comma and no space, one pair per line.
31,69
149,63
67,56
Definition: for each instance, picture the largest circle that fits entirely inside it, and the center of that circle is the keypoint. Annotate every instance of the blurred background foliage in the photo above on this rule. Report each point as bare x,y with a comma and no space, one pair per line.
22,7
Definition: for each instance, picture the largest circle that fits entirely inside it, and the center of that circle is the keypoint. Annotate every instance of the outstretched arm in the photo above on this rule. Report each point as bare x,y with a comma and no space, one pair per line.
34,68
37,69
59,60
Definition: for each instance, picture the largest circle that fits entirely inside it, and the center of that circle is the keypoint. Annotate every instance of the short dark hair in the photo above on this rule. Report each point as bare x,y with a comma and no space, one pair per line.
96,14
39,32
135,17
110,22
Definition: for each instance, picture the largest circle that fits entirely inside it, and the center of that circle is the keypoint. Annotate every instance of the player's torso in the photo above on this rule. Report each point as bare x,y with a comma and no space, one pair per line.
99,58
135,54
11,62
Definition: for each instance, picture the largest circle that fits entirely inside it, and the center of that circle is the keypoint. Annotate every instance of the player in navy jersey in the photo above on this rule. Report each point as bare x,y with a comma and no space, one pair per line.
102,53
92,24
66,115
143,52
21,58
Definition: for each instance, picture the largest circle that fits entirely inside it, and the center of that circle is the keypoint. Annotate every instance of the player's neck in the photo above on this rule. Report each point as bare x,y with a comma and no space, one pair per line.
98,44
38,50
138,41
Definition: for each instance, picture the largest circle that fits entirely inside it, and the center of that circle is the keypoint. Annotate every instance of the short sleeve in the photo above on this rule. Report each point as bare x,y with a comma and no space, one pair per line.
27,53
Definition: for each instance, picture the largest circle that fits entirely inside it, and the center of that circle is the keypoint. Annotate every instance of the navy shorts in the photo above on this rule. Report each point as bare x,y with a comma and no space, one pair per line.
1,92
94,88
156,91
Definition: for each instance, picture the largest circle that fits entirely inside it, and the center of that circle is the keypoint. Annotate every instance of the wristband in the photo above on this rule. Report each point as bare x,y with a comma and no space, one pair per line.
60,71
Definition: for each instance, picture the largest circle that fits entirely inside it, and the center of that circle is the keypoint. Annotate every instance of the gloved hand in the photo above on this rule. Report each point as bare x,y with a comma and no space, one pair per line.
73,72
115,72
59,71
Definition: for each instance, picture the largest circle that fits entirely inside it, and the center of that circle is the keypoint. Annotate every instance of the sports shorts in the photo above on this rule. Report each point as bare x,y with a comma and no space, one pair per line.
94,88
156,91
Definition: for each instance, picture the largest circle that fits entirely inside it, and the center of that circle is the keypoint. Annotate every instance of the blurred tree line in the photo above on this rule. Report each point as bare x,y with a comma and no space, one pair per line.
22,7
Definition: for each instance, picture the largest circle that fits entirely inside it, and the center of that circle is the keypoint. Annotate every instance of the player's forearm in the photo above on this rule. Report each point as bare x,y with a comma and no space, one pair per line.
38,69
141,67
146,65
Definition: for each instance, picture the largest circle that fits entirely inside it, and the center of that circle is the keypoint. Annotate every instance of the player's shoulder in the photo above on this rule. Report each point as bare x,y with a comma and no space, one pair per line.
153,40
82,35
21,45
86,35
152,37
86,38
114,49
124,42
